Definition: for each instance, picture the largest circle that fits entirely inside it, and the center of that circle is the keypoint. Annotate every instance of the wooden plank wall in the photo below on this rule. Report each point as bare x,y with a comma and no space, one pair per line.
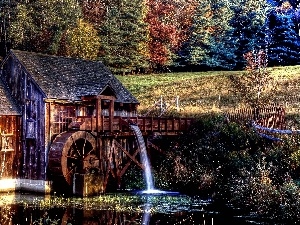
10,160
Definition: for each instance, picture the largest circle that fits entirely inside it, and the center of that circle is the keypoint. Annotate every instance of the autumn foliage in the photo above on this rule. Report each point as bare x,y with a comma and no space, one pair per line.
169,23
155,35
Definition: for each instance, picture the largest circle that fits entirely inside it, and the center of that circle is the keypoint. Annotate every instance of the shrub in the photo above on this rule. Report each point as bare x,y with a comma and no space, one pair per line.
231,162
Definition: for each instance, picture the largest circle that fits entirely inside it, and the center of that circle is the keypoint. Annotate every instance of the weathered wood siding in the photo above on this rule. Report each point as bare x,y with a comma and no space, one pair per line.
10,152
31,100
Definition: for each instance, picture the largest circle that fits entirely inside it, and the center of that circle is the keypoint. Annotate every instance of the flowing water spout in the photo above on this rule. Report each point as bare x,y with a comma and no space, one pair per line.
144,157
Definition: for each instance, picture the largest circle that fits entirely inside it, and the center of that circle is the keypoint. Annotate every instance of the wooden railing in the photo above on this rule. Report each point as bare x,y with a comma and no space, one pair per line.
119,124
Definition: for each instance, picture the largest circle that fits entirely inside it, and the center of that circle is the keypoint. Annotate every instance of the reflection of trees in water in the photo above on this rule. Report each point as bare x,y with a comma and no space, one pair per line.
20,215
16,215
6,214
96,217
144,213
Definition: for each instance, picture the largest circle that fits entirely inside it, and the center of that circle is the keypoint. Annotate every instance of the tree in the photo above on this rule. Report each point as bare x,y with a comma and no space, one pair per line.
94,11
124,37
7,10
81,42
249,22
162,33
39,25
222,44
211,43
284,42
169,25
256,86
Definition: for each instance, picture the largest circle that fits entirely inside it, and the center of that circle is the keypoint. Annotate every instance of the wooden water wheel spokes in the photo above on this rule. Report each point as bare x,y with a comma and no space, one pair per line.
73,152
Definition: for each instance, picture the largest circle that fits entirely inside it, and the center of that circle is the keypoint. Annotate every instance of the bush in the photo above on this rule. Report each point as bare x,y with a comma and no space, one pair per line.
231,162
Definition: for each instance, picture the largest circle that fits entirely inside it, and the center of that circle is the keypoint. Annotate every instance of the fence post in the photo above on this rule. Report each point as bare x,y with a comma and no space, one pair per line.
177,103
161,104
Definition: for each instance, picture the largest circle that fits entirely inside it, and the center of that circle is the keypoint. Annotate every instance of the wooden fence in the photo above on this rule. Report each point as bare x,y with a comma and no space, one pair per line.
267,116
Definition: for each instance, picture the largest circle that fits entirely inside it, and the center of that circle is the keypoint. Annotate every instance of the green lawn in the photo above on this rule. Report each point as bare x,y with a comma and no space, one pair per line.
205,92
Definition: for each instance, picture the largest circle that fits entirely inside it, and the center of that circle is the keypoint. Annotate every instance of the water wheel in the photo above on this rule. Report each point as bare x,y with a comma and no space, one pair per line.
73,152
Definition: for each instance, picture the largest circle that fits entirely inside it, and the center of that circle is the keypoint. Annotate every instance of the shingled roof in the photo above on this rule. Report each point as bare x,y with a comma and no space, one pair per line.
70,78
8,105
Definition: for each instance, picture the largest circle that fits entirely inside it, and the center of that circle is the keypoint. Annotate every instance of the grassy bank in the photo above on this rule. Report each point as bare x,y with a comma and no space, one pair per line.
205,92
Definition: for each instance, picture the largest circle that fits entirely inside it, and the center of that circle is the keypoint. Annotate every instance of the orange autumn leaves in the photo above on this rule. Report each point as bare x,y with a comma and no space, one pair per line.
169,23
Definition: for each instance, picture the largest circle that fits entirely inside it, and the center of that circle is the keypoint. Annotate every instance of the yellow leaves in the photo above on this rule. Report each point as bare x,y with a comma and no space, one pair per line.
82,41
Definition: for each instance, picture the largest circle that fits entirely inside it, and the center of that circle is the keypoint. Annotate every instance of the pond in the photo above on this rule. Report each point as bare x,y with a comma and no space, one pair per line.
116,208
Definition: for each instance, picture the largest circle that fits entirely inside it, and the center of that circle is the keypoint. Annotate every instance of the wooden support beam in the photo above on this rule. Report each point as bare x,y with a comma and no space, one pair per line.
151,124
111,114
128,154
99,126
149,143
128,163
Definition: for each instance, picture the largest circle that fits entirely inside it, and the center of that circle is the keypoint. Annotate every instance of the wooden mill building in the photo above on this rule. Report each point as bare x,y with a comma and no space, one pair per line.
65,121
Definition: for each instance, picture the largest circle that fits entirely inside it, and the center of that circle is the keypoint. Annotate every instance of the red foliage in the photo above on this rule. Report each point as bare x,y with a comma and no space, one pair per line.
43,40
94,11
169,23
159,53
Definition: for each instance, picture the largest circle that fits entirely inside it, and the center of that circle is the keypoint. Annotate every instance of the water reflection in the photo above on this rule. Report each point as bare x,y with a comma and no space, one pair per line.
111,209
146,214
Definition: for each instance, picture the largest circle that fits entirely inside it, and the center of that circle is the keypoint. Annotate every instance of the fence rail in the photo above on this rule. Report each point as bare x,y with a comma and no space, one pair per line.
268,116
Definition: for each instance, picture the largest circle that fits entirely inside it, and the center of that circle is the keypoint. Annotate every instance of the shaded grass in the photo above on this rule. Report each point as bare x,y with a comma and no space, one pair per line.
206,92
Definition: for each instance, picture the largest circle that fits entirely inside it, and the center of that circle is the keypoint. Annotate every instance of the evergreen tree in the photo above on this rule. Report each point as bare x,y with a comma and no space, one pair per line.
7,10
211,43
222,44
39,25
194,50
249,21
284,46
124,37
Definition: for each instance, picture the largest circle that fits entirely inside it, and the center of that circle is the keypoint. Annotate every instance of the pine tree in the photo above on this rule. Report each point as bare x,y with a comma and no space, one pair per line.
124,37
194,50
284,43
211,43
7,10
249,21
222,46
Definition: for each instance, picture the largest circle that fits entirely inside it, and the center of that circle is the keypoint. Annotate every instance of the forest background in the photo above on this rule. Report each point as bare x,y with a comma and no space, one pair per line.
143,36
